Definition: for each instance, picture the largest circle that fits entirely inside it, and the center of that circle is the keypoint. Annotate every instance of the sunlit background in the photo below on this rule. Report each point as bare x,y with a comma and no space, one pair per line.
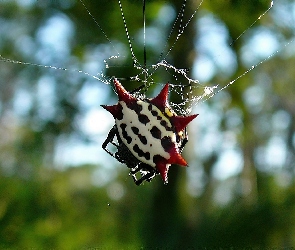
60,189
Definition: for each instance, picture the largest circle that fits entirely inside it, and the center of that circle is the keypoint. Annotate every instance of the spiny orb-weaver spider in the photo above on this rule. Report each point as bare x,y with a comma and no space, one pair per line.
150,136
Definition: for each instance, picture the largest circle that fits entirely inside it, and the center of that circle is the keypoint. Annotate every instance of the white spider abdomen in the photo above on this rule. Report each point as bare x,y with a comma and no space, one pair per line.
144,137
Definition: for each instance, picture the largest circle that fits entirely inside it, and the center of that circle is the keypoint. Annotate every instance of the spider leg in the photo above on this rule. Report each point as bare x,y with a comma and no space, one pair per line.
147,173
184,141
147,177
111,135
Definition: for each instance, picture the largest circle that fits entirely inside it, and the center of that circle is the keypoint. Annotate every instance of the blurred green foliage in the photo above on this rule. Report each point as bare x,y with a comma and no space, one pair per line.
45,204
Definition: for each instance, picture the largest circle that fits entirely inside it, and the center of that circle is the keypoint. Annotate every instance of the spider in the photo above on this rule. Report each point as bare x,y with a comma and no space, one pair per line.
150,136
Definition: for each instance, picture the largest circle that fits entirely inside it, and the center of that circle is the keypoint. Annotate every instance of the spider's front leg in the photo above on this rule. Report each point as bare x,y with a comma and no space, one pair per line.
111,135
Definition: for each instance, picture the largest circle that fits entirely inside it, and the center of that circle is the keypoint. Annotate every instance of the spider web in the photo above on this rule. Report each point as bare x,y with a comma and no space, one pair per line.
190,90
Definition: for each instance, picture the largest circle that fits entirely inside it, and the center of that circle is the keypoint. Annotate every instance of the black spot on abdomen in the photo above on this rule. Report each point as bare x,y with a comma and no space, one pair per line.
155,132
124,133
135,130
135,106
142,138
166,143
140,153
143,119
154,112
165,125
